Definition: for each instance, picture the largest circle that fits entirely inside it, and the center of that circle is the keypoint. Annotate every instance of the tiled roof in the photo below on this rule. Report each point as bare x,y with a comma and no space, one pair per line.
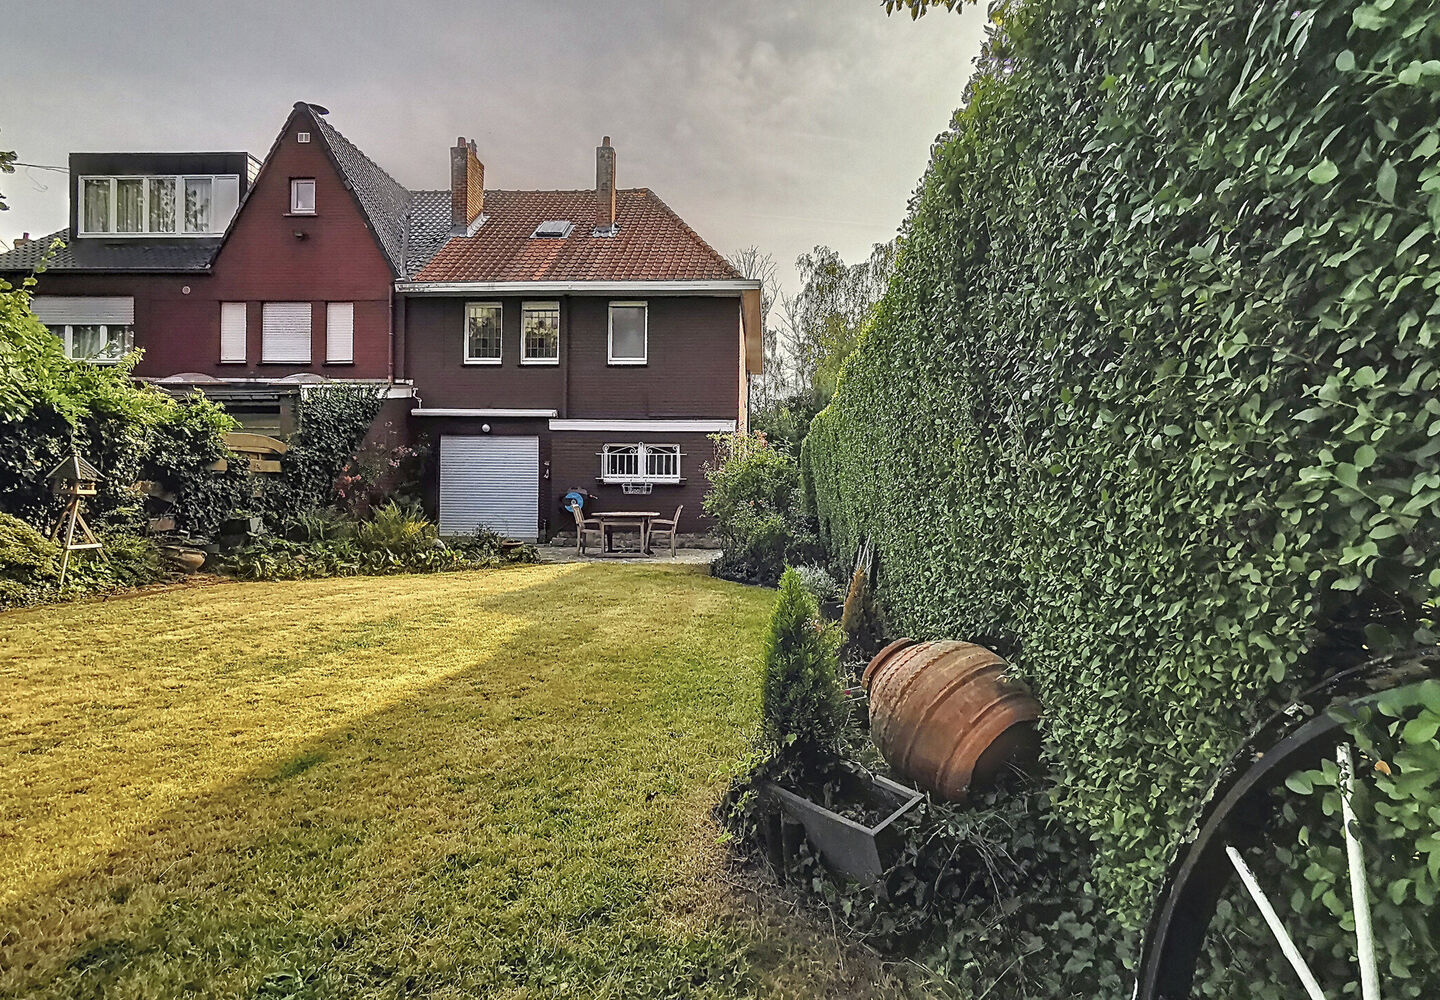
92,254
429,228
653,243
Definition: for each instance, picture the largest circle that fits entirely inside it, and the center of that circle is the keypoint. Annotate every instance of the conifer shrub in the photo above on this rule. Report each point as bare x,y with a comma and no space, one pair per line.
800,701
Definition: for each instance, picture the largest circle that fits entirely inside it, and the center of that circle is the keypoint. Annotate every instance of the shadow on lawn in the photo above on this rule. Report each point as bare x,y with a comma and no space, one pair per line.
532,824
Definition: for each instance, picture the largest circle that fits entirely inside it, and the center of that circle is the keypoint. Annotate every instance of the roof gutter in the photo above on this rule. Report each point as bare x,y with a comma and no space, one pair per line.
723,287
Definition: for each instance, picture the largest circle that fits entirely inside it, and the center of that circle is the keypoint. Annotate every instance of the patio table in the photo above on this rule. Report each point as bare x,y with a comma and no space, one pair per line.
612,519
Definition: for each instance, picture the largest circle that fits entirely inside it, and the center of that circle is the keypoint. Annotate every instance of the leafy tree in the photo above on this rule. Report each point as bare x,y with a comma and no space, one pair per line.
769,384
826,319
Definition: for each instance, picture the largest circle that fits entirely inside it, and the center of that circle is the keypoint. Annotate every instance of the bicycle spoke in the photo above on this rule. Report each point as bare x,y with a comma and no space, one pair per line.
1307,978
1359,893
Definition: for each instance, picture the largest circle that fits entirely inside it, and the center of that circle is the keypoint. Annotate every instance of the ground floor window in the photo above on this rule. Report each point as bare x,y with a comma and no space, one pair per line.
640,463
102,342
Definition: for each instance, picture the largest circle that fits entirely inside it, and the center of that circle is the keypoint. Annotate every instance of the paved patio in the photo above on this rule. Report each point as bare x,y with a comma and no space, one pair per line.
567,554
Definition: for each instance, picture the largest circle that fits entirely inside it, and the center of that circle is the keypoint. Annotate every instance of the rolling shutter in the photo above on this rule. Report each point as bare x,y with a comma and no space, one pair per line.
232,331
340,331
490,481
287,332
81,310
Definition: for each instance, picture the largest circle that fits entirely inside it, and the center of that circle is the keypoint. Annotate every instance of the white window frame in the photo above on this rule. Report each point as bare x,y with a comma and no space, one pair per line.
547,305
296,185
644,358
334,354
66,333
179,180
465,334
643,452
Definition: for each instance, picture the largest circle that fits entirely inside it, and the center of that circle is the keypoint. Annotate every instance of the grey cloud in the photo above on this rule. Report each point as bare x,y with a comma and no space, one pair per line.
780,124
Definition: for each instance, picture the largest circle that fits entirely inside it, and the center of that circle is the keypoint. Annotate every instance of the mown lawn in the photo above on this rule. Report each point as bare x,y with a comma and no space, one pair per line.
480,785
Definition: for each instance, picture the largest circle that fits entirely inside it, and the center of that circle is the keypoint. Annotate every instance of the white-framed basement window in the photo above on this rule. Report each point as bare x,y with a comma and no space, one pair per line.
483,326
302,196
540,333
640,463
99,328
285,333
164,205
629,333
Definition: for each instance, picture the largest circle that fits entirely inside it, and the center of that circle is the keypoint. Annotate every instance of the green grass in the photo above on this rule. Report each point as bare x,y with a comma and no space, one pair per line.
479,785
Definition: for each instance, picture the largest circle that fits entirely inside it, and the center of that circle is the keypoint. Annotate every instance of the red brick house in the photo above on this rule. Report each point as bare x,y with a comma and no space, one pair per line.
541,340
247,280
573,339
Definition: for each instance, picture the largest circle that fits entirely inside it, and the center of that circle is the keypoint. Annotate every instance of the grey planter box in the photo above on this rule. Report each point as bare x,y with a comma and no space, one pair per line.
863,853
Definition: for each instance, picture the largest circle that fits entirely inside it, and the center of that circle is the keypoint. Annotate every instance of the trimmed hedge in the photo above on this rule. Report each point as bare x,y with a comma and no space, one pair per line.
1151,403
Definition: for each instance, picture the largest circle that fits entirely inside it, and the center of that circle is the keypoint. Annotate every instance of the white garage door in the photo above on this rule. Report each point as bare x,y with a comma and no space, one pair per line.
489,480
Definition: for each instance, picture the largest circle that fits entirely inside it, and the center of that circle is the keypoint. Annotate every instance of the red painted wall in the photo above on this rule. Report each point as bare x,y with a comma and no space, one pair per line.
262,260
336,261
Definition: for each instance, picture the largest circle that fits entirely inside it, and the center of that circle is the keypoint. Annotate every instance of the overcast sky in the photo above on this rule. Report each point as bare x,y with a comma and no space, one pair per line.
780,124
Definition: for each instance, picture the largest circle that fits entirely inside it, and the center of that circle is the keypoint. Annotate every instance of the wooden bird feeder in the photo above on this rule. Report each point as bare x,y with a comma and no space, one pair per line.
74,479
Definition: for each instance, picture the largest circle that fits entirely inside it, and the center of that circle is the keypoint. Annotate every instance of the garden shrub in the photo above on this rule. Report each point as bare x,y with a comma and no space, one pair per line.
324,543
28,561
800,708
818,581
754,497
1152,399
51,405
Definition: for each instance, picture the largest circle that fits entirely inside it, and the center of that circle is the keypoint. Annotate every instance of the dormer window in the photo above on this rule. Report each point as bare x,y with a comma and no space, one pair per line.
148,205
302,196
552,229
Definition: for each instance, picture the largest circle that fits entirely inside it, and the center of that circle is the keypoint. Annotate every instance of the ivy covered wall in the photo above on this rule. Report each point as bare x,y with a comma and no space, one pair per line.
1151,403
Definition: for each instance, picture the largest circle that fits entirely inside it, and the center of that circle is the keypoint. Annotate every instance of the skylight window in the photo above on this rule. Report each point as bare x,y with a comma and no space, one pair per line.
553,229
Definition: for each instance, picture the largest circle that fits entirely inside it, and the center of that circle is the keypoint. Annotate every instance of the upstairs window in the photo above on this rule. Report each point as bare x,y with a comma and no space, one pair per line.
153,206
640,463
482,333
629,336
95,217
161,193
198,197
540,333
302,196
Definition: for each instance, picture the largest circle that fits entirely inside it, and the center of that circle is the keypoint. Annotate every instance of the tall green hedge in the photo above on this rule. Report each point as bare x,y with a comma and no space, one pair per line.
1152,400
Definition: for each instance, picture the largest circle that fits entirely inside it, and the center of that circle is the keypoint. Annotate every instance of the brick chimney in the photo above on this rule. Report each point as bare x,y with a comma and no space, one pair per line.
22,240
467,186
605,187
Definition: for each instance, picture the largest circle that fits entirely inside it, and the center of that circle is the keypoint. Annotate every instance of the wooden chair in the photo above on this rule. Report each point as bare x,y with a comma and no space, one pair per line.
670,527
582,526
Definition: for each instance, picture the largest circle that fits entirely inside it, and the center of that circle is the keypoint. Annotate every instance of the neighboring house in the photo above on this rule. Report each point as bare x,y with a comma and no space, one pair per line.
246,280
541,340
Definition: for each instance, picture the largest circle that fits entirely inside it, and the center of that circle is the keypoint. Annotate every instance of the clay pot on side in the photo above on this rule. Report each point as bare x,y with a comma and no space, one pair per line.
945,715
